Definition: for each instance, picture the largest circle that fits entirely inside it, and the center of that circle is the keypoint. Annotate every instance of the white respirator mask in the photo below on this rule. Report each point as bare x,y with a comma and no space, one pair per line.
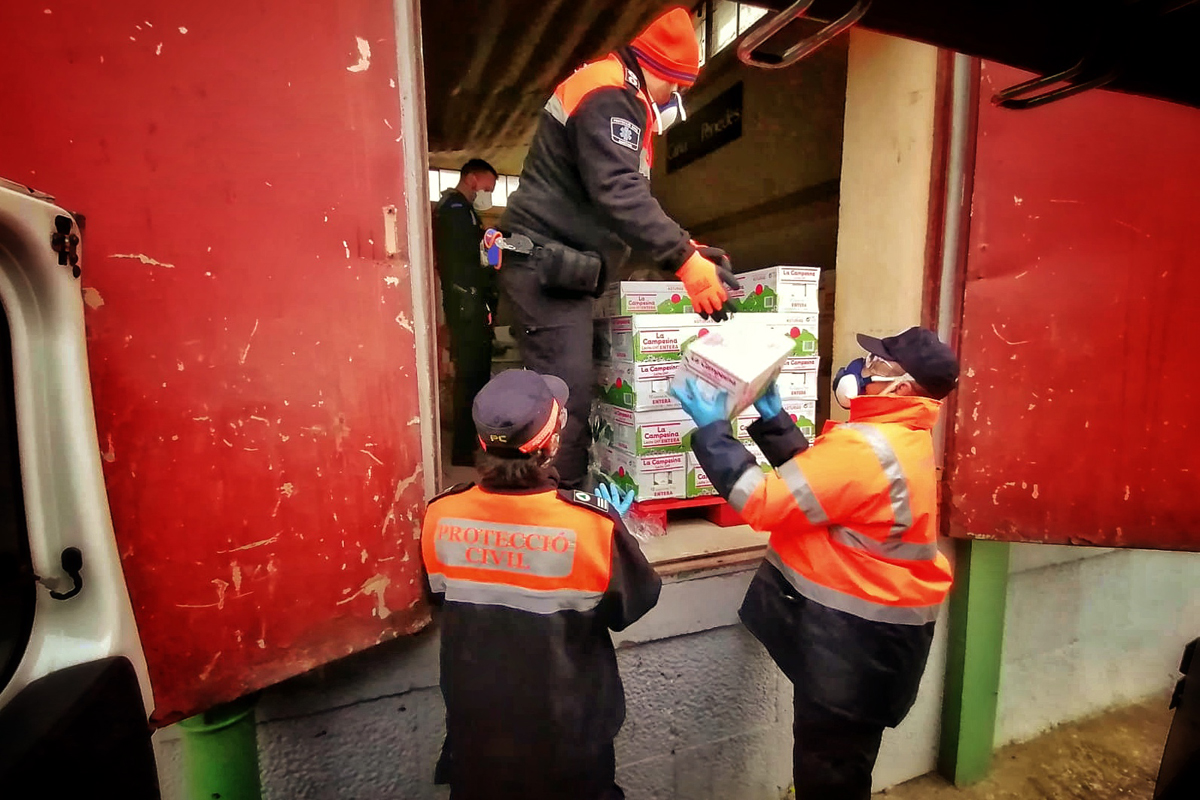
851,380
483,200
669,113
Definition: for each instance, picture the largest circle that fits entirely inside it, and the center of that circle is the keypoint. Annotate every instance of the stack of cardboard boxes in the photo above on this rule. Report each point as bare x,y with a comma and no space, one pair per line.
642,434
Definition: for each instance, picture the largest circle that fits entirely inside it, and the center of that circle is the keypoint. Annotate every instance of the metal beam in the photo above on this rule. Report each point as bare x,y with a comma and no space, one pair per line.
976,644
417,226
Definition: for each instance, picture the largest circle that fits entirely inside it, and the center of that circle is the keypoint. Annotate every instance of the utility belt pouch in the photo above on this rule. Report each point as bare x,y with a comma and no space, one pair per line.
565,269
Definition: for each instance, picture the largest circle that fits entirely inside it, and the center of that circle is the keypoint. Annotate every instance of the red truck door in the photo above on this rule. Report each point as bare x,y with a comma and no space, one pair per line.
253,339
1076,417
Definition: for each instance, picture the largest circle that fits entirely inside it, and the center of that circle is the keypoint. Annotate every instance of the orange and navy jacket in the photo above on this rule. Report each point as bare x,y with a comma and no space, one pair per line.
586,179
531,583
853,523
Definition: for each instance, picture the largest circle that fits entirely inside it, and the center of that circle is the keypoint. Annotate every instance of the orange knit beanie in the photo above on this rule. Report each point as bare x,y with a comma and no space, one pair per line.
668,48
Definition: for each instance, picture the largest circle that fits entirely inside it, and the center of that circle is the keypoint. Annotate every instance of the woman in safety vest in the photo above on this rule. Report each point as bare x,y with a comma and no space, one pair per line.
853,580
532,578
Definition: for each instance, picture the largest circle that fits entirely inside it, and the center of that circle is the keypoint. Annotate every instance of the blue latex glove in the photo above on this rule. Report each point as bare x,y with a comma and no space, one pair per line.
769,404
702,411
612,495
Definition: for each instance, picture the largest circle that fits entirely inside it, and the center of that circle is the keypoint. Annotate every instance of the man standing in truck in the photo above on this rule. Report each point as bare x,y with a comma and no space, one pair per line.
584,200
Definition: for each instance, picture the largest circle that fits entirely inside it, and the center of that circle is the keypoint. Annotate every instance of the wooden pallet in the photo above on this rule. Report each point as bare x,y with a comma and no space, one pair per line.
717,511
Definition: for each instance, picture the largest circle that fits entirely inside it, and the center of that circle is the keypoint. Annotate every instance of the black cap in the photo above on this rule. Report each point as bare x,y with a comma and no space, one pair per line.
923,355
517,411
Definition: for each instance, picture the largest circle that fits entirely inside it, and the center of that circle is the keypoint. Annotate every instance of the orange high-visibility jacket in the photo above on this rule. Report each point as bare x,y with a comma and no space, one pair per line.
538,553
853,519
846,600
531,583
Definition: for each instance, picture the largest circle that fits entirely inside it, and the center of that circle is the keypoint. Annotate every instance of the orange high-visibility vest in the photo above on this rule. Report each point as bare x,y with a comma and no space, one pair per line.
531,552
853,519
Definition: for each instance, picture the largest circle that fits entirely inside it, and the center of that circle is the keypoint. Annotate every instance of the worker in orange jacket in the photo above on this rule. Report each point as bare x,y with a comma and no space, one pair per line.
531,579
846,599
584,200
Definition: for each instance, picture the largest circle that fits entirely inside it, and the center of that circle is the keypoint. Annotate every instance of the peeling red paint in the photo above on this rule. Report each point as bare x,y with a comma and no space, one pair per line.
243,357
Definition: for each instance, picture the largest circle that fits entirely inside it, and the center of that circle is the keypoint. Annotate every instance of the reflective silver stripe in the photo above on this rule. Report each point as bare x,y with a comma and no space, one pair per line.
644,163
555,108
856,606
897,485
892,548
745,487
535,601
802,493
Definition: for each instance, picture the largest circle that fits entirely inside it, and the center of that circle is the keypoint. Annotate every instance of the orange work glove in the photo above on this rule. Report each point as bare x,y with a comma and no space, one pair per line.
703,280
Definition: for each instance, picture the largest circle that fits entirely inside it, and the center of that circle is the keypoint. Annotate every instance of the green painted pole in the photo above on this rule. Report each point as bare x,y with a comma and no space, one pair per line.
220,753
975,648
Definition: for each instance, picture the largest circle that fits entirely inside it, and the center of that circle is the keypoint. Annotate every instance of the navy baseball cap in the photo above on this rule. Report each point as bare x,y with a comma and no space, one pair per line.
923,355
517,411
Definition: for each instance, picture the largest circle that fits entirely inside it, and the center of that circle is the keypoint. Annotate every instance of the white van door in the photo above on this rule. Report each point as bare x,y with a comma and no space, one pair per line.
74,690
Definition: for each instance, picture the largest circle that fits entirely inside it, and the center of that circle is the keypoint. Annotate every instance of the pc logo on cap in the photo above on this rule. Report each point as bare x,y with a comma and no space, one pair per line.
517,411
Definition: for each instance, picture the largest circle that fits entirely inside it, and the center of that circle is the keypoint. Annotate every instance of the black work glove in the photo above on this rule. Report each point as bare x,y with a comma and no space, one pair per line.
725,271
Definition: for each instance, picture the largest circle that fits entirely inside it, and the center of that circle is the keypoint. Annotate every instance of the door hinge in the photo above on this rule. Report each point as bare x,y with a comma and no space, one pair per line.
65,242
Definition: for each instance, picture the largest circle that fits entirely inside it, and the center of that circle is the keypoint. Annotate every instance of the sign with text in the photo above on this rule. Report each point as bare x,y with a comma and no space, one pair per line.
712,127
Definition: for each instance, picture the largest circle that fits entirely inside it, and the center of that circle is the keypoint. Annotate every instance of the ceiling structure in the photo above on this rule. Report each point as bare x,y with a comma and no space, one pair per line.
489,66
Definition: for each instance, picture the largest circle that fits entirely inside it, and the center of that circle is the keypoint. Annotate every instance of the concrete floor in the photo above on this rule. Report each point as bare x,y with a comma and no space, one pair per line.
1113,755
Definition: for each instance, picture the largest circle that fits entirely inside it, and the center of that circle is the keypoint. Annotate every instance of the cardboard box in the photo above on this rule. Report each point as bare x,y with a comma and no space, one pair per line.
801,328
797,385
741,423
798,378
644,297
739,359
656,476
780,290
651,337
802,412
670,431
637,385
662,337
801,364
697,482
642,432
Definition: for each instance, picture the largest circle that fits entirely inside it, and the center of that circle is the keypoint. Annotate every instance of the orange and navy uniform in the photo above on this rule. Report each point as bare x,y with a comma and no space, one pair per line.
853,580
531,583
585,182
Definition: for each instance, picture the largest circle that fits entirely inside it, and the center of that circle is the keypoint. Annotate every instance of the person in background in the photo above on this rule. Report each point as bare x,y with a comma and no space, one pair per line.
584,200
469,294
846,600
531,578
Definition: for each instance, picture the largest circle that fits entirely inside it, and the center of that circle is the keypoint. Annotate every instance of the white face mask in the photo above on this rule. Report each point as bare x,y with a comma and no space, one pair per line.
669,113
483,200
